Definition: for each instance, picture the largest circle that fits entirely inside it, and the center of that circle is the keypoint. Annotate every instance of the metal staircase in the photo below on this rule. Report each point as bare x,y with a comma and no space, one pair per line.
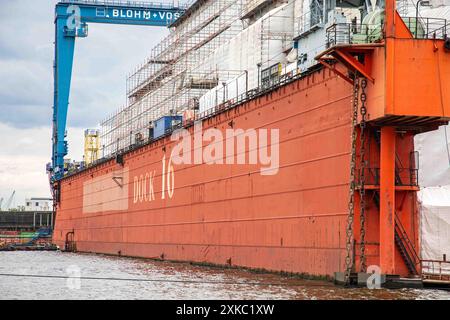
403,243
406,248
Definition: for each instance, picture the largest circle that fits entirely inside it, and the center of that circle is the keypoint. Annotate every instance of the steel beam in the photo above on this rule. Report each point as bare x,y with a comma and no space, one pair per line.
387,200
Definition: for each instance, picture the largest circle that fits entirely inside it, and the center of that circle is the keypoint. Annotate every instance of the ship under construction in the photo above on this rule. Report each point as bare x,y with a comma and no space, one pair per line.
341,87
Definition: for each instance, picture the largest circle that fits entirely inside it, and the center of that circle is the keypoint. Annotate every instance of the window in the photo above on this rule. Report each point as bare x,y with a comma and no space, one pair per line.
37,204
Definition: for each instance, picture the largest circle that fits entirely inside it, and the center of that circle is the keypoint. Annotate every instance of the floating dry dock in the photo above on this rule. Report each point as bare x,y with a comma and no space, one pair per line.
346,96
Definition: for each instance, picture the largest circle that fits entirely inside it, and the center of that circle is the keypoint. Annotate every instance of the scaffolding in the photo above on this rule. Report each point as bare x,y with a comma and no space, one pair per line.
201,33
277,32
403,7
170,81
215,53
91,146
199,59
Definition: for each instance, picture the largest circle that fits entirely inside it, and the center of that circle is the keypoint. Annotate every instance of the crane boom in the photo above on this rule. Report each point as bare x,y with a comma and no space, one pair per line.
8,203
71,21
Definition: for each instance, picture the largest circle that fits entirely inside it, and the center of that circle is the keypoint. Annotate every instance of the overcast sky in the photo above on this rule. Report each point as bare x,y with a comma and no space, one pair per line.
102,62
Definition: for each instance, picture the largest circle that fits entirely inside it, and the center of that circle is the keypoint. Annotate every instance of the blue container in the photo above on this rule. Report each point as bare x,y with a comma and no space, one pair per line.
165,124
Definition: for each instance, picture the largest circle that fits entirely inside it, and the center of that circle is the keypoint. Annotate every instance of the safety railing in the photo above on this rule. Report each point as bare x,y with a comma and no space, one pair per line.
353,33
436,269
403,176
427,28
309,20
407,247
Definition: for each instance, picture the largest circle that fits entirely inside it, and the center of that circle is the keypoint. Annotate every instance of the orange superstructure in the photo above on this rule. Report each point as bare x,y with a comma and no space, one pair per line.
141,204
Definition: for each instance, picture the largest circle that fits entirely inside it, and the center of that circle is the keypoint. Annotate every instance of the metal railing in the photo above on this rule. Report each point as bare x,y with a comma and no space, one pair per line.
351,33
427,28
436,269
310,19
403,176
407,246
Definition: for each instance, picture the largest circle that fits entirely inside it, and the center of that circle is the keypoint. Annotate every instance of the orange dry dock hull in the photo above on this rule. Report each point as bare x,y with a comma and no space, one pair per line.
293,221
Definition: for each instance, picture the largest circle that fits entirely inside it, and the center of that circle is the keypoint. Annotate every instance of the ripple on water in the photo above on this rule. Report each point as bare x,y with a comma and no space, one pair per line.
237,284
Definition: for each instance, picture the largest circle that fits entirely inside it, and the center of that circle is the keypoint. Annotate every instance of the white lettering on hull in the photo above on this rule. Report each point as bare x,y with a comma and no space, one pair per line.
144,184
143,187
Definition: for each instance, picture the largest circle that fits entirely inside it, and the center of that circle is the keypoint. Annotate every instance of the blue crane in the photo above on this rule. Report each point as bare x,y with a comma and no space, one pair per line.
71,22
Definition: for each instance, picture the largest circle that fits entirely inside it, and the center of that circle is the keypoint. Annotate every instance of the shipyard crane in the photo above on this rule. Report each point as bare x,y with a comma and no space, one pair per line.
10,200
71,22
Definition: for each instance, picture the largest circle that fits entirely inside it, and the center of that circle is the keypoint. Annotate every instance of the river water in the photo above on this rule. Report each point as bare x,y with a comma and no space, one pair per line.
57,275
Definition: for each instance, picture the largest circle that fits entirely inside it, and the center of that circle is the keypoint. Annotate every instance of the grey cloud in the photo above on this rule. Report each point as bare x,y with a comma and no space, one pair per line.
101,64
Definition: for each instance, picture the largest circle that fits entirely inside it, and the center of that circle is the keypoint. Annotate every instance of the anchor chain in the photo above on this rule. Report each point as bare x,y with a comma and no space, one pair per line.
362,175
351,203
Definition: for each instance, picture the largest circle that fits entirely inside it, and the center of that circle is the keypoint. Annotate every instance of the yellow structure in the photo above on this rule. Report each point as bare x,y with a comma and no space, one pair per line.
91,145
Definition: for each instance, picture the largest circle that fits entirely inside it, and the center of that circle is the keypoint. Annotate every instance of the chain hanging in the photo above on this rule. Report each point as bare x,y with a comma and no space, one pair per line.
351,203
362,175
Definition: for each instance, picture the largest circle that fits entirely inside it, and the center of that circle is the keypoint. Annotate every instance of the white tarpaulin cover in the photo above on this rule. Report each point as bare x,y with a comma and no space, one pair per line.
434,157
434,198
435,228
435,222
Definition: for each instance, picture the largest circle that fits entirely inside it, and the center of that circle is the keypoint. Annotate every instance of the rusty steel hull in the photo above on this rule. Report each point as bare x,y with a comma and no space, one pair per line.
294,221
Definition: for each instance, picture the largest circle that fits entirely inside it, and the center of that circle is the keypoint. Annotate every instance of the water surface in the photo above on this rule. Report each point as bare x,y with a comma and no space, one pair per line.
146,279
